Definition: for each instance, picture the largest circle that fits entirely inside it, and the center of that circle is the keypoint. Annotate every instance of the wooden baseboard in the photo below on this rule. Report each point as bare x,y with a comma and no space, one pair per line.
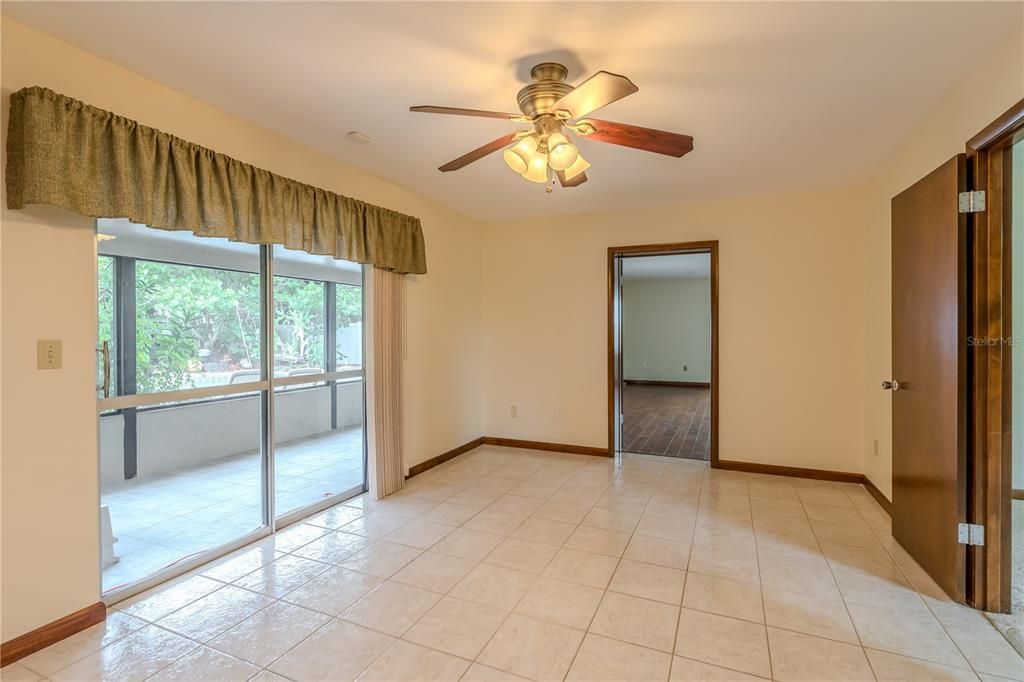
40,638
508,443
683,384
550,447
816,474
877,494
444,457
799,472
729,465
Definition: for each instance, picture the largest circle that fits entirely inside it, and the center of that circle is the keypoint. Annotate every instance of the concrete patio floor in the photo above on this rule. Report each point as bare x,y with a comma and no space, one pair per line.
164,518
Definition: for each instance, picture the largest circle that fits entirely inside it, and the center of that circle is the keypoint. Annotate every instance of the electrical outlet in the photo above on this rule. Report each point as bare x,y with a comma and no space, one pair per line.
876,447
685,368
558,415
48,354
515,411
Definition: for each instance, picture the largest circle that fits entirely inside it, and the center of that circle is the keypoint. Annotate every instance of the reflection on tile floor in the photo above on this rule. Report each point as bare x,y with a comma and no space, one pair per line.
511,564
164,518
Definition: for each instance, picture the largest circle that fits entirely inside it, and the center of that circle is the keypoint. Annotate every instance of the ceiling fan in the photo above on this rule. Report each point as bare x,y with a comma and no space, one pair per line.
554,108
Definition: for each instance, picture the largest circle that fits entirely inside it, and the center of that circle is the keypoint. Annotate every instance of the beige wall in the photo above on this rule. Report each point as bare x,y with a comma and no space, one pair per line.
49,497
666,329
49,461
791,323
993,87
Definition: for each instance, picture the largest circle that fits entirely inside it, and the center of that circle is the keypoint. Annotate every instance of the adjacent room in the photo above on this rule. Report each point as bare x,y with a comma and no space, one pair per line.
666,355
585,341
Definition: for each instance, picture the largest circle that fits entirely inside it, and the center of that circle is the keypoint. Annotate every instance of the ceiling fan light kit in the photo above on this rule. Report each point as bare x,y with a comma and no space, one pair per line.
554,107
576,168
562,153
538,170
518,155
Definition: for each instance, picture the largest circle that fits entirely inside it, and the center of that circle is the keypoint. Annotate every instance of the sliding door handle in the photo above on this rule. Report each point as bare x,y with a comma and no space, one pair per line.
104,352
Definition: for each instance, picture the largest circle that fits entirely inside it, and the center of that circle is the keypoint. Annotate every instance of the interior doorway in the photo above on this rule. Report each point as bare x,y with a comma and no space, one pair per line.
663,350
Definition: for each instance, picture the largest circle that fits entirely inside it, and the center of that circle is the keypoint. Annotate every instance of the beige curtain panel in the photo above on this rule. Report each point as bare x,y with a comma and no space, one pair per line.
68,154
388,342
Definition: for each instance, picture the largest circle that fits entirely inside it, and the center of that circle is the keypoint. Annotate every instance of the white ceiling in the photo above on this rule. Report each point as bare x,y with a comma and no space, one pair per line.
670,266
776,95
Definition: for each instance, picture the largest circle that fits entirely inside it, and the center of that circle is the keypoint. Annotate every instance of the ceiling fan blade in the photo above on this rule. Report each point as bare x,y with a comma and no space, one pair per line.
576,180
455,111
479,153
600,89
647,139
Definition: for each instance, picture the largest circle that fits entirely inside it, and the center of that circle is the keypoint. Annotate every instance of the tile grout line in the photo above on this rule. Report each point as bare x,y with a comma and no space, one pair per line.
281,599
274,600
932,613
930,610
760,585
577,526
617,470
337,618
686,577
616,460
842,597
538,576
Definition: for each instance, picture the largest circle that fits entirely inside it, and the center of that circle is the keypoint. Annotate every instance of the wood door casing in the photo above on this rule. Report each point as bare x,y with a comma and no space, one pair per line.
929,360
614,254
989,169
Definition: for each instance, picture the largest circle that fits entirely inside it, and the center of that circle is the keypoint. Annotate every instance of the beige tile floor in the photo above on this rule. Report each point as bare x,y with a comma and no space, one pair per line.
511,564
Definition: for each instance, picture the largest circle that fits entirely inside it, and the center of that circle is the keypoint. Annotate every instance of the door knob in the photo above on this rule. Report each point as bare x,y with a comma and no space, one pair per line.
104,351
891,385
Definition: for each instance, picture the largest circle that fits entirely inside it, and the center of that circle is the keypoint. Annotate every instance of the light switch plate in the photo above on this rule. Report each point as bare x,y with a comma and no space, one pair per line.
48,354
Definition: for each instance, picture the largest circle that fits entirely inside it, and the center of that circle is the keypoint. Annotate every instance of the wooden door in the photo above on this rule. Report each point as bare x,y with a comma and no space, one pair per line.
929,362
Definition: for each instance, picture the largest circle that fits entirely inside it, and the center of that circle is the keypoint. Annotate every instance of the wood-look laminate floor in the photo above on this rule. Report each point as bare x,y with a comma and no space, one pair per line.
673,421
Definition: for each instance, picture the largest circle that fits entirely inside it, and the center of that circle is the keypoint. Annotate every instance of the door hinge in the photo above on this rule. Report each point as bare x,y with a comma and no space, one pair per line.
971,534
971,202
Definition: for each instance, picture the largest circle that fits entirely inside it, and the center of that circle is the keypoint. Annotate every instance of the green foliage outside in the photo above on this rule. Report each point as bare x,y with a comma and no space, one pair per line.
299,332
191,321
349,304
349,311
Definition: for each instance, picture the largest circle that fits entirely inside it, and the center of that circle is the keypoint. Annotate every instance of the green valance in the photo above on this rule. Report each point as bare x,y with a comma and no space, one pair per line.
66,153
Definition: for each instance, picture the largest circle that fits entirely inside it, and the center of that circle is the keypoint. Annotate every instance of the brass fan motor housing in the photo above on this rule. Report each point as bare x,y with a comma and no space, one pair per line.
548,87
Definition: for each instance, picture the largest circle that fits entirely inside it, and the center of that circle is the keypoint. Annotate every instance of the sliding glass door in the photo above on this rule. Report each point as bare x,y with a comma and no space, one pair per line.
227,402
318,386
